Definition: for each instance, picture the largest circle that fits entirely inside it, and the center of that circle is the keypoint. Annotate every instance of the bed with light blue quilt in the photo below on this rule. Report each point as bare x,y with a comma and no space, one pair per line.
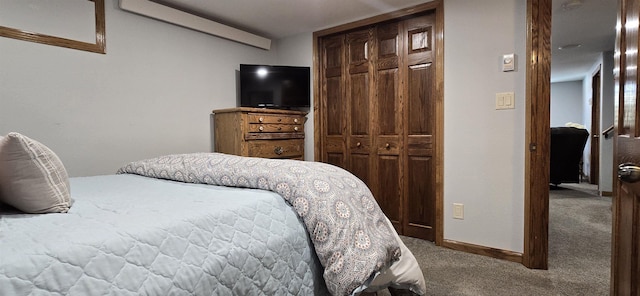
133,235
206,224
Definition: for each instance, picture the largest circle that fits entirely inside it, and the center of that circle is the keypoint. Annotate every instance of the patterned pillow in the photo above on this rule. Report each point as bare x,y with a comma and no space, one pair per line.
32,177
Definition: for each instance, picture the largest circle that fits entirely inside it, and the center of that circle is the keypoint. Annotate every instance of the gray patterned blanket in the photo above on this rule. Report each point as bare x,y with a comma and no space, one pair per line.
346,225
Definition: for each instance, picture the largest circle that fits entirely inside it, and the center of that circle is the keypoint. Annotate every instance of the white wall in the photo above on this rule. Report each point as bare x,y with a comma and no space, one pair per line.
484,147
151,94
298,51
607,116
566,103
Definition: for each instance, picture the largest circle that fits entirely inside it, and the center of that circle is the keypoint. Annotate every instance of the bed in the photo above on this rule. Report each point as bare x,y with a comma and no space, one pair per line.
195,224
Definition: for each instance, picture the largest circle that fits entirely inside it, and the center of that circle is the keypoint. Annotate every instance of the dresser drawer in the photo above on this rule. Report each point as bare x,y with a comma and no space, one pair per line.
257,118
276,148
275,128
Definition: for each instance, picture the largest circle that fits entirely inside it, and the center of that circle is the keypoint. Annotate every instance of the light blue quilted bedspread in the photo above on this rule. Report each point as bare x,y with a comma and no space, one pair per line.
349,231
132,235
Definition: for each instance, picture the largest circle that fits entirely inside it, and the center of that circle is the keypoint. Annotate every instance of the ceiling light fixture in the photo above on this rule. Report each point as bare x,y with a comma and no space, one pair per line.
572,4
569,46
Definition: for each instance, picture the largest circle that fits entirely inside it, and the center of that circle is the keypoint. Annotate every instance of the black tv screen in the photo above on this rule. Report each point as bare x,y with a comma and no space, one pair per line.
274,86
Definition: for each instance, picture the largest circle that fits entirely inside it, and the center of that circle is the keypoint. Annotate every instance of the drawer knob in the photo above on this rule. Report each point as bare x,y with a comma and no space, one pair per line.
261,119
279,119
278,150
295,120
261,128
358,144
387,146
279,128
295,128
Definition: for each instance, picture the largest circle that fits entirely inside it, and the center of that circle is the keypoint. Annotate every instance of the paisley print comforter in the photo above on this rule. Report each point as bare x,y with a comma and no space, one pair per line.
347,227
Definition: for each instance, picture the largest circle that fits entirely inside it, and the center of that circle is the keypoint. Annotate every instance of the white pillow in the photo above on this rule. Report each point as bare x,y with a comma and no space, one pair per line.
32,177
404,274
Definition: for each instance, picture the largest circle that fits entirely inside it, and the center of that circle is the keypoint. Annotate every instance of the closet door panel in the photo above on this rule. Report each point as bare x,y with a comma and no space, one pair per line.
389,193
420,39
360,167
334,104
360,158
358,71
333,93
388,126
419,101
358,51
387,45
420,145
335,107
333,55
388,98
388,104
358,98
388,145
419,207
335,158
334,152
420,214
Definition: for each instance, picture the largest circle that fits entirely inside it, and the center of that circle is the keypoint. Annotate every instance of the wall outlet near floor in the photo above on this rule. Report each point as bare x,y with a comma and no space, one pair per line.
458,211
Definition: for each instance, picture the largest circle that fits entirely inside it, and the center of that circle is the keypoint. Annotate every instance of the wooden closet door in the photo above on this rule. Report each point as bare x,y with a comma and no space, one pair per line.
387,105
378,97
334,104
358,105
419,72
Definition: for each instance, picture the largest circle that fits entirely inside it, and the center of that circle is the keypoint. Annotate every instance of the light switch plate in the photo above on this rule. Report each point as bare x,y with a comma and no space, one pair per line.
505,100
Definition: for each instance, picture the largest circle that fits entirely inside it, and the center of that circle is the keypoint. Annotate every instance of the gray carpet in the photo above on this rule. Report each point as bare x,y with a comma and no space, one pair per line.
579,255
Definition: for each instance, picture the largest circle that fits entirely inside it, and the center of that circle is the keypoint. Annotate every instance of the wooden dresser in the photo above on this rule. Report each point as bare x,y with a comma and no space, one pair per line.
257,132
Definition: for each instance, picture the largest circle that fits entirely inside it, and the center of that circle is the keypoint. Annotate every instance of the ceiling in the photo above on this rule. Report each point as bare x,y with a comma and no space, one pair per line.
590,23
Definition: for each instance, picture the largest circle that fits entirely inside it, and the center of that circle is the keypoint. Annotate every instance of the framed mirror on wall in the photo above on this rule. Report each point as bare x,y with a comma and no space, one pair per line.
76,24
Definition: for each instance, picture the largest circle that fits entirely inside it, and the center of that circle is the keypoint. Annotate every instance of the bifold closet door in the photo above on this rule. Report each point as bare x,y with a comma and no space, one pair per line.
387,106
419,94
377,96
358,97
332,98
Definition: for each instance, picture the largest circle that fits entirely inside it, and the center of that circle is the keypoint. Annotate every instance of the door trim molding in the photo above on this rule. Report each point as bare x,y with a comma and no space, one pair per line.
536,185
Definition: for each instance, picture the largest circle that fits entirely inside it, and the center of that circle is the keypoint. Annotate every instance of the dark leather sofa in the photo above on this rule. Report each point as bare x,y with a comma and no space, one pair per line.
567,146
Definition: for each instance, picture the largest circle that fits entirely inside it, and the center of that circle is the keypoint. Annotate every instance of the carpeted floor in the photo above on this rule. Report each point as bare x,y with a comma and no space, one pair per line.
579,255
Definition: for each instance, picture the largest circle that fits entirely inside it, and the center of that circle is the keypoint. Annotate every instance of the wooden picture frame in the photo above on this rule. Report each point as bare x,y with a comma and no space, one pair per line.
98,47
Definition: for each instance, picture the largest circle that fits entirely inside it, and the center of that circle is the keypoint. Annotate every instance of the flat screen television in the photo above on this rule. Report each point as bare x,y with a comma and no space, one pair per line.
265,86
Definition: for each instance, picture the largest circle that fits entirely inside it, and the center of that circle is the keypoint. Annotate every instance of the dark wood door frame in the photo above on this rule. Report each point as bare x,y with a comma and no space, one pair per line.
594,159
537,136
